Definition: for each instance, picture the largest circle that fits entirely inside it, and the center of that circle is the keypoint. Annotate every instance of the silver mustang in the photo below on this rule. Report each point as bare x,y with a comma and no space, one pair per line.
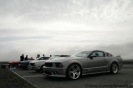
83,63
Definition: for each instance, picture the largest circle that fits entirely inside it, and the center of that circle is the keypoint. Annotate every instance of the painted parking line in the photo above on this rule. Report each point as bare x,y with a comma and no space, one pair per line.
24,78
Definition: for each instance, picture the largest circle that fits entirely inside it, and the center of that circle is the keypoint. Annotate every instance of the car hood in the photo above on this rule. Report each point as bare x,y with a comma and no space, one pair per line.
62,59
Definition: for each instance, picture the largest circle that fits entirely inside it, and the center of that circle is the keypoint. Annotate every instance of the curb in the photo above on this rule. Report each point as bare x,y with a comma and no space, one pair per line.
24,79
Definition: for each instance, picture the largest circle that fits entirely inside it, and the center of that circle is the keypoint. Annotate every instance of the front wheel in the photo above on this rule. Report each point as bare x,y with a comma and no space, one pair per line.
73,71
41,69
27,67
114,68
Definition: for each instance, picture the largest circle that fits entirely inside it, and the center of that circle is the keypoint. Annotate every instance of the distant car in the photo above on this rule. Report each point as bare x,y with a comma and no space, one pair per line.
13,64
83,63
58,56
37,65
25,64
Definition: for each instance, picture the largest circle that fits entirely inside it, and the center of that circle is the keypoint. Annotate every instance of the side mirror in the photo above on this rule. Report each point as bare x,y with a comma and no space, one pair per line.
92,55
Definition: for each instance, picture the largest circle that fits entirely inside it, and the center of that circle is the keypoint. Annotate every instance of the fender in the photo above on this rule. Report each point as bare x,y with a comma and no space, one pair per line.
75,62
112,61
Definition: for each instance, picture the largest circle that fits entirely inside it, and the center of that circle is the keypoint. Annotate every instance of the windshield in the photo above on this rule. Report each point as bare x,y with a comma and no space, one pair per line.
59,56
54,56
64,55
81,54
43,58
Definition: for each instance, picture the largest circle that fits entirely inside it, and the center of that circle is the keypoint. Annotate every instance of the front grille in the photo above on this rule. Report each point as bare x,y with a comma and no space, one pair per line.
32,64
48,64
58,65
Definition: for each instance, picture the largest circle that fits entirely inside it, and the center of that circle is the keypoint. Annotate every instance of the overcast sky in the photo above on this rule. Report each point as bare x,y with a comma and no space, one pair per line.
47,27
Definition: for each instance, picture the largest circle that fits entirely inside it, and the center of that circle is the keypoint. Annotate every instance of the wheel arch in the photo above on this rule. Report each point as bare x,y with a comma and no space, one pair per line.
67,70
113,61
116,68
75,63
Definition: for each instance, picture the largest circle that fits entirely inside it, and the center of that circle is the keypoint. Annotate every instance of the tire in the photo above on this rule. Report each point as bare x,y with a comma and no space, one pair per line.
9,67
16,66
27,67
114,68
41,69
73,72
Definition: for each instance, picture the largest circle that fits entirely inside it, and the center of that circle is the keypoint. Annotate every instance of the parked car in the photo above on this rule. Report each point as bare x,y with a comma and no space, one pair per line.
37,65
25,64
83,63
13,64
58,56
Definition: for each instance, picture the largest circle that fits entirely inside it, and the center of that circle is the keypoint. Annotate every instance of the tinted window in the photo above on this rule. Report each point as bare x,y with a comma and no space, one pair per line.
43,58
109,55
98,54
64,55
81,54
40,58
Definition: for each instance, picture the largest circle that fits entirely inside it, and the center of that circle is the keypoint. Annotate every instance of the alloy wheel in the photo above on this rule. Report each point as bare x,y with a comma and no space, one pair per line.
74,72
115,68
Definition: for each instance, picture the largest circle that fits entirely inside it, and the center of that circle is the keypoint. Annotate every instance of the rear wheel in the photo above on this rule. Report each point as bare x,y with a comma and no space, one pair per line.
114,68
73,71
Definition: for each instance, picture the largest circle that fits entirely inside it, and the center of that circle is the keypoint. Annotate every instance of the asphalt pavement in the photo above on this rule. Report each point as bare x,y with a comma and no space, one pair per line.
124,79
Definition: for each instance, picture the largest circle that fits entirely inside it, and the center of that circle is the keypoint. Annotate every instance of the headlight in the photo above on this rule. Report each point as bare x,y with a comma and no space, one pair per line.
32,64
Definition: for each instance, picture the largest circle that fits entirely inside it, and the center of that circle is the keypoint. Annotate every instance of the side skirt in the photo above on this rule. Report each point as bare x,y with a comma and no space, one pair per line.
96,72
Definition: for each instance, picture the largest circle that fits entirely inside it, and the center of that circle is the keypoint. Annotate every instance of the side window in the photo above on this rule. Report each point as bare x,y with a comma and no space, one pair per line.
99,54
109,55
41,58
45,58
94,53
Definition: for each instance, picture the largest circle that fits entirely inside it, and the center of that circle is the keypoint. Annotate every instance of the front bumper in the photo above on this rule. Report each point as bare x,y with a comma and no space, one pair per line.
34,68
22,66
54,72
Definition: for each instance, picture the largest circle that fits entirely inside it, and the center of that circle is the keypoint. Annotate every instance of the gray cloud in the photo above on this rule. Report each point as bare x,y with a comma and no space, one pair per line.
37,11
125,50
65,26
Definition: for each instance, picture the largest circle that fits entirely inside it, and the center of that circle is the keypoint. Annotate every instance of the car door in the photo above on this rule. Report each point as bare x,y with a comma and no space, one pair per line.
97,63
